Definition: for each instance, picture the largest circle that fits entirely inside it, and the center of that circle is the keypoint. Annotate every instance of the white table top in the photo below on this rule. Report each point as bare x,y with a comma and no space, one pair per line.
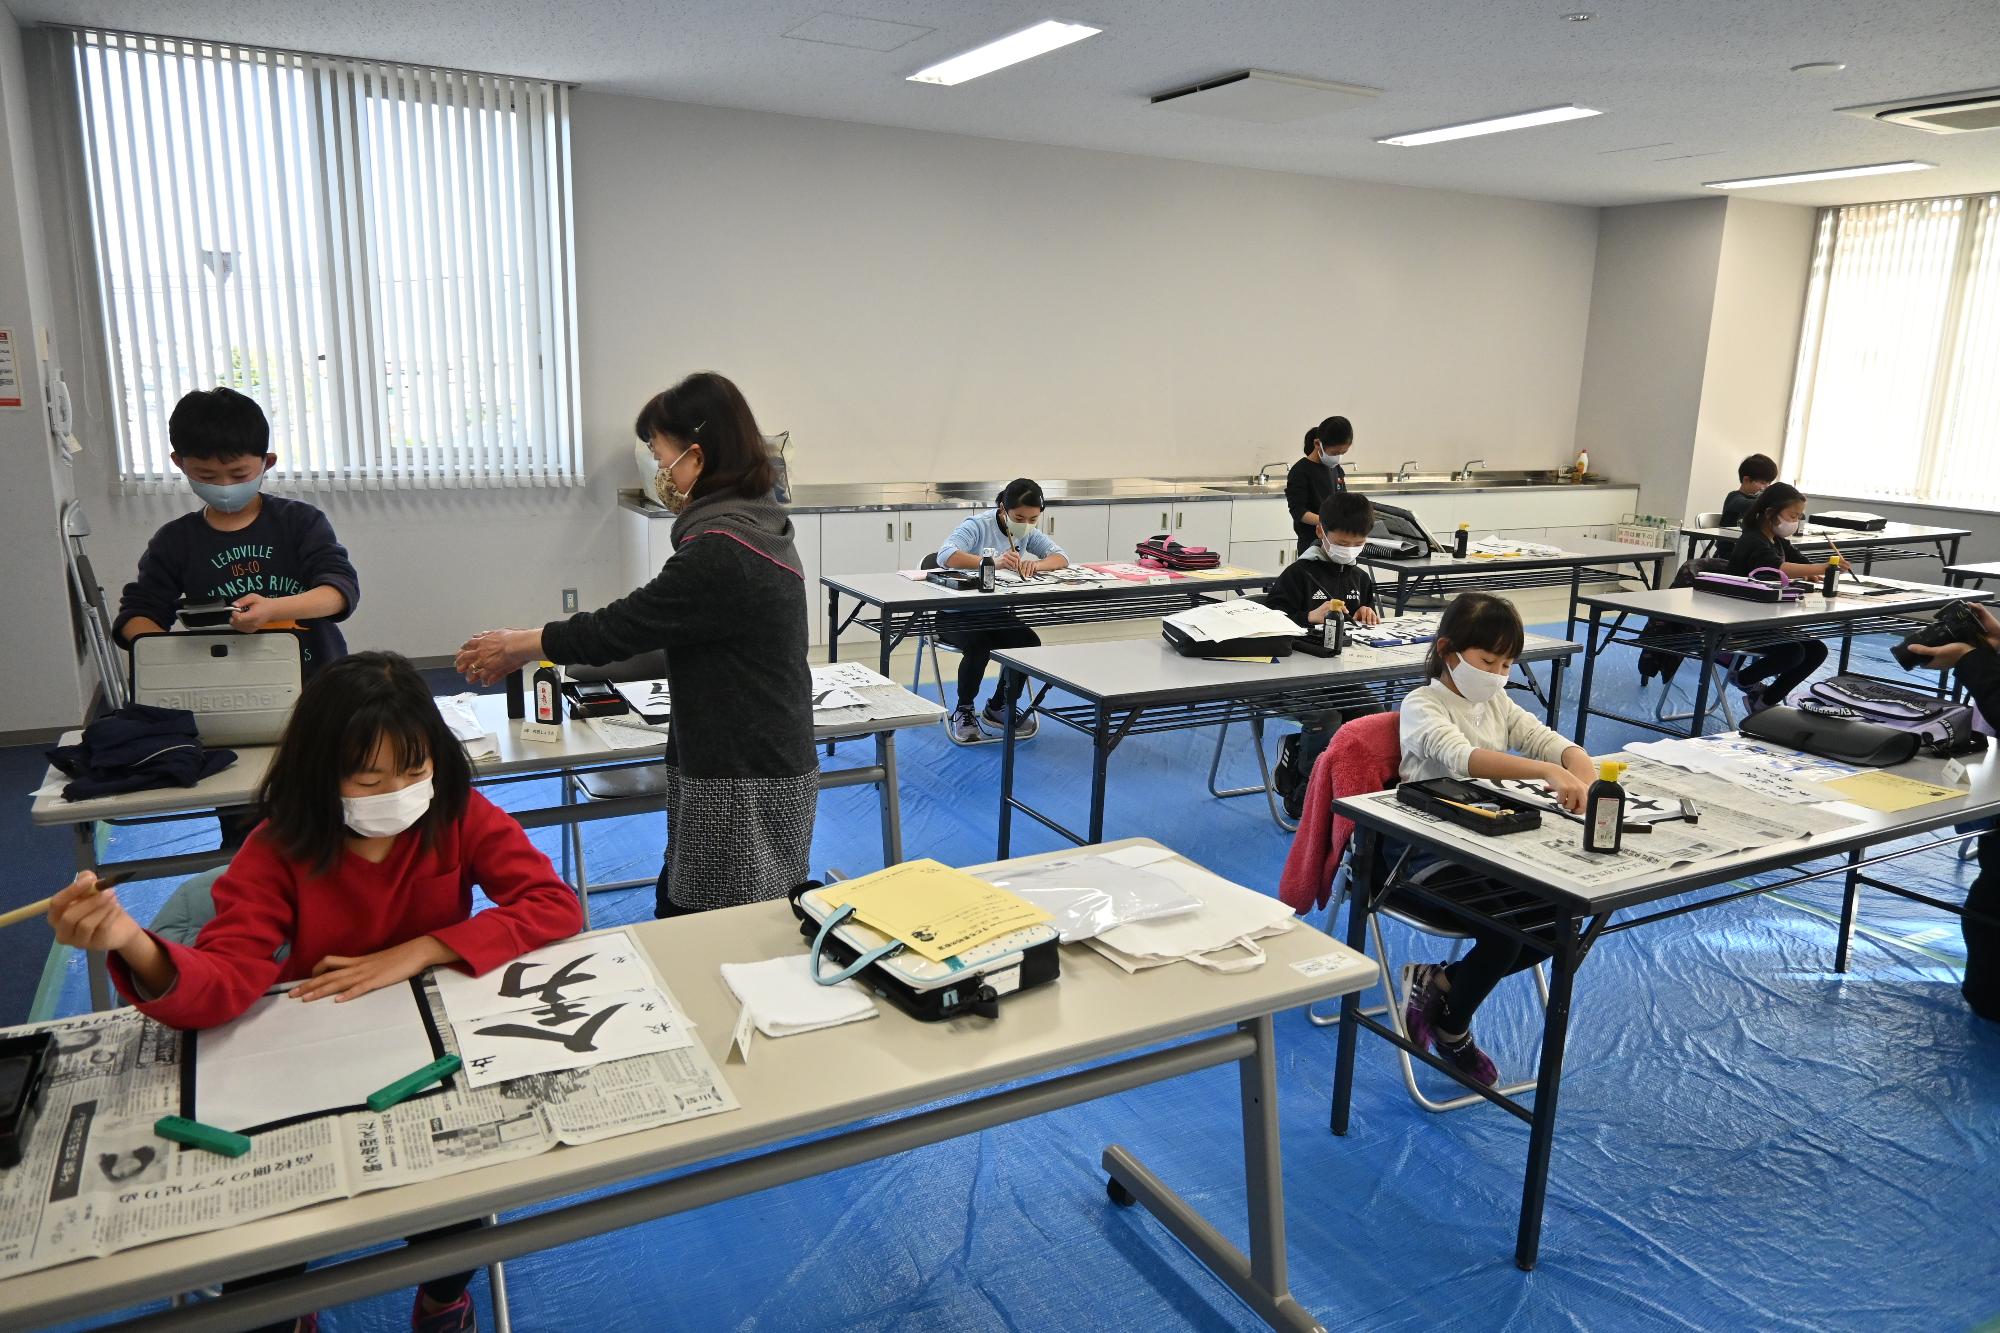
579,747
1816,536
1718,611
1383,812
1576,551
890,589
793,1086
1985,569
1134,671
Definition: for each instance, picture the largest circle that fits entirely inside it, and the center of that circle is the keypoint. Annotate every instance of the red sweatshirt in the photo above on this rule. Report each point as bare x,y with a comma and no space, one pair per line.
357,907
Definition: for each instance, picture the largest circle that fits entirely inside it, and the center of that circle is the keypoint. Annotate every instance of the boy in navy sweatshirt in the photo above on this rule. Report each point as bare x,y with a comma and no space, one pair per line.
275,561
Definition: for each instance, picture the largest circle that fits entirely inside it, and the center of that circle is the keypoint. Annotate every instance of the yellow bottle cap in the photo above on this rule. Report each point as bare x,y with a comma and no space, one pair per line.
1833,560
1610,770
1465,527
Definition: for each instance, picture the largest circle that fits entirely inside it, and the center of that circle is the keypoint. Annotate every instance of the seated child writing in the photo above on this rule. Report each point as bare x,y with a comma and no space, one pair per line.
364,865
1462,724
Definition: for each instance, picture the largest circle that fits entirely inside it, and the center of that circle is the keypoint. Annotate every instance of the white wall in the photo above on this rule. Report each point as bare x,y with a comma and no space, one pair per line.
42,688
1651,309
1753,344
922,306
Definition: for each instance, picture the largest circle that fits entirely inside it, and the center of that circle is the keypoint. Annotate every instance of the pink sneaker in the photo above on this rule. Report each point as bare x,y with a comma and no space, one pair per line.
458,1317
1466,1055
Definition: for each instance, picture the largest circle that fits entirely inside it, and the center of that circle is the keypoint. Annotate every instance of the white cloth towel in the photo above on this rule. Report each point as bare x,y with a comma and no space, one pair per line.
783,999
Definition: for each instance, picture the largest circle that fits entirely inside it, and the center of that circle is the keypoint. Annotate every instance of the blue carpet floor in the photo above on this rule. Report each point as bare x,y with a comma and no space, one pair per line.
1747,1140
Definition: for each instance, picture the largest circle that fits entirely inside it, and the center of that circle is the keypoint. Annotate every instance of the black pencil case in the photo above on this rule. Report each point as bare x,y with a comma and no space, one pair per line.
1447,798
25,1065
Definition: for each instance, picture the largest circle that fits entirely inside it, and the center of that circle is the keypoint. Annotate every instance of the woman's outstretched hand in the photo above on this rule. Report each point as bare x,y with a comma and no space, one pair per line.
491,656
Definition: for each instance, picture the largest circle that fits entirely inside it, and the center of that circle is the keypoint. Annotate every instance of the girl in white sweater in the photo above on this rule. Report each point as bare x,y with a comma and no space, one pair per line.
1462,724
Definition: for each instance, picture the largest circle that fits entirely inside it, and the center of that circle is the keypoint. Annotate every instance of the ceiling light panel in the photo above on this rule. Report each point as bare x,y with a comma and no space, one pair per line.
1496,125
1830,174
1049,35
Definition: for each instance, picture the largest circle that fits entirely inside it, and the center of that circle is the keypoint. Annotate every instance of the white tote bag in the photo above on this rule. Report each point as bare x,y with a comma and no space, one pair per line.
1221,936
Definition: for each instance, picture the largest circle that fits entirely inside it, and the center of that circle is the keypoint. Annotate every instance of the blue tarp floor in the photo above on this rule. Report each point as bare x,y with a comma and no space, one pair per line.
1747,1140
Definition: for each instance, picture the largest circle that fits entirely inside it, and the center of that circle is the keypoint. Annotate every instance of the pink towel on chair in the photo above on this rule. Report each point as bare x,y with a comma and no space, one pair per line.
1364,757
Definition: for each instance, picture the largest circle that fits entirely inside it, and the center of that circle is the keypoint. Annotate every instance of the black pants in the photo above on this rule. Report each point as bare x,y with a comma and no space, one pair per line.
1982,938
443,1290
976,648
1493,955
1784,668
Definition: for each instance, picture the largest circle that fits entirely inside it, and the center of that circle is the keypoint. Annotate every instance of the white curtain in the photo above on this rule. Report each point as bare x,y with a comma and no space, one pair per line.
381,255
1896,394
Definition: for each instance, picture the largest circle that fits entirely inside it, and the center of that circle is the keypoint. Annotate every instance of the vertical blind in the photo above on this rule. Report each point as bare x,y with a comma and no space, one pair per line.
1896,394
380,254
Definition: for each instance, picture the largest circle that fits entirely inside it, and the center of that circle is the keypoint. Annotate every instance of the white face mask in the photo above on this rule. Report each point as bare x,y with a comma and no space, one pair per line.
1342,555
1786,527
388,814
1475,685
1017,528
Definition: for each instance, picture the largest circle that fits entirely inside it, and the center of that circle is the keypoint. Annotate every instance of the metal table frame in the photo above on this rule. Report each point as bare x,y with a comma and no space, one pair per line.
1415,578
1869,546
1972,576
896,619
1577,926
1704,642
1110,718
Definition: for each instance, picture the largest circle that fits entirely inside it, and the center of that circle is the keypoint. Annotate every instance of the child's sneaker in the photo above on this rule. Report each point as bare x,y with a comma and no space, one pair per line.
1420,985
458,1317
1466,1055
961,727
1753,700
994,717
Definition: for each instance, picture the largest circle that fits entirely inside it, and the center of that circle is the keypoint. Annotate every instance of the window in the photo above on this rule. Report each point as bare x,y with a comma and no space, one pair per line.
379,254
1896,396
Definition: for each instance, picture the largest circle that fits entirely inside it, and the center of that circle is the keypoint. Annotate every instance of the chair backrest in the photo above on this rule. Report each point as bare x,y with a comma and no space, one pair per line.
1366,754
87,596
1710,519
930,560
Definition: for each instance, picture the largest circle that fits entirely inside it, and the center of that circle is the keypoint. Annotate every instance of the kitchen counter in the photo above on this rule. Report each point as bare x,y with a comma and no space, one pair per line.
865,497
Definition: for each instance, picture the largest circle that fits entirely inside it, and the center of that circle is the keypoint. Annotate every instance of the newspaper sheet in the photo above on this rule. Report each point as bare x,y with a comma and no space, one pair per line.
95,1179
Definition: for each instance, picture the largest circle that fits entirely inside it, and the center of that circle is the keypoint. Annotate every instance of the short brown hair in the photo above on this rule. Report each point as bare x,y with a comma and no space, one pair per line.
708,410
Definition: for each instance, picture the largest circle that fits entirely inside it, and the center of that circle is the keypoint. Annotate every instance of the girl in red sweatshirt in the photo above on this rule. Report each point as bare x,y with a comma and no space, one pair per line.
364,865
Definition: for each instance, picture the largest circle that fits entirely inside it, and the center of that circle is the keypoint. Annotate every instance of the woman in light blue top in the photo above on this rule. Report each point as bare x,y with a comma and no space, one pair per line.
1008,531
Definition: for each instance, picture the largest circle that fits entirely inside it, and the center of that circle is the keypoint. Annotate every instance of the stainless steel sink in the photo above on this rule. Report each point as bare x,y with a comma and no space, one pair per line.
1099,488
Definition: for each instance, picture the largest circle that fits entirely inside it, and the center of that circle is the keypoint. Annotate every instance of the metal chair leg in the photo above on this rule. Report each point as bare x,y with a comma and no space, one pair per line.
1719,691
1263,766
496,1289
573,851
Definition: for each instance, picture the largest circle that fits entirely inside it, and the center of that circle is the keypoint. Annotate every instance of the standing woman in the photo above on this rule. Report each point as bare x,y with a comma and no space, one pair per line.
729,609
1770,523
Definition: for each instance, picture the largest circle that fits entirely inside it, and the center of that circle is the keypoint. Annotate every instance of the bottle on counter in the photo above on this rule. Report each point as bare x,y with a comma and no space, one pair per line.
986,569
1582,467
1461,542
1333,630
1832,576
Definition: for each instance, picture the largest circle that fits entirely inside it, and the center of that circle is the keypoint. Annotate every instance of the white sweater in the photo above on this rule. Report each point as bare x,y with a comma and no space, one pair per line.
1441,730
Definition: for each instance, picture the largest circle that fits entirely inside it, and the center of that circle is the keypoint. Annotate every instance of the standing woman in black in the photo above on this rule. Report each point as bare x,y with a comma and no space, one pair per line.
729,609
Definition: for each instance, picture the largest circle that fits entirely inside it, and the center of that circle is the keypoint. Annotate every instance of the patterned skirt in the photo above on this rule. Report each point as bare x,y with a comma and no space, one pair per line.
732,841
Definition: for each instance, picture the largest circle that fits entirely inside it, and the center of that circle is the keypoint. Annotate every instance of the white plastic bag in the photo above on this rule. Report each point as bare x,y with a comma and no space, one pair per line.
1229,922
1087,895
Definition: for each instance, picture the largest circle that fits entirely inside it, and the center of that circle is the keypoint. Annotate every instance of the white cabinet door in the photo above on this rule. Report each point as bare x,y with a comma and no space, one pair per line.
1083,531
919,532
805,533
1203,523
1129,524
1260,520
865,543
1262,557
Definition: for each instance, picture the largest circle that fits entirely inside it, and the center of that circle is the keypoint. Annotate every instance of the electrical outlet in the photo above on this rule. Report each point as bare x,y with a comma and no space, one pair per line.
569,599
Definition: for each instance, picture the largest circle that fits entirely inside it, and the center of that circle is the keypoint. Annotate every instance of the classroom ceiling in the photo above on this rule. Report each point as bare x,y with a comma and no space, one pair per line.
1691,90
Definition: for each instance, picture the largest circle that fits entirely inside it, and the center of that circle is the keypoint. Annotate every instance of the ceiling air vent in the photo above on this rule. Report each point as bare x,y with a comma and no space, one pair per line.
1953,113
1264,98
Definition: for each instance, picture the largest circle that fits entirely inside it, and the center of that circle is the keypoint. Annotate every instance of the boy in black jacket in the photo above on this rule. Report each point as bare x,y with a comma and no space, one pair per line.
275,561
1979,671
1331,569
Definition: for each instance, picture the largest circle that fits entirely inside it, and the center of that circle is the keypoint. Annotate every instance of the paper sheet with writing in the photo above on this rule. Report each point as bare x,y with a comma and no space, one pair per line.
286,1059
935,910
573,1004
101,1181
1768,770
1219,622
651,699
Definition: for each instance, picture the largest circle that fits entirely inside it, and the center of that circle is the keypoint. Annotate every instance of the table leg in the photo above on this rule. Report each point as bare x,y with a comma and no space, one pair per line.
1711,648
833,624
1402,591
1556,667
1100,763
892,799
1548,1082
888,640
1360,902
1261,1281
1589,671
1007,674
1850,902
1575,591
